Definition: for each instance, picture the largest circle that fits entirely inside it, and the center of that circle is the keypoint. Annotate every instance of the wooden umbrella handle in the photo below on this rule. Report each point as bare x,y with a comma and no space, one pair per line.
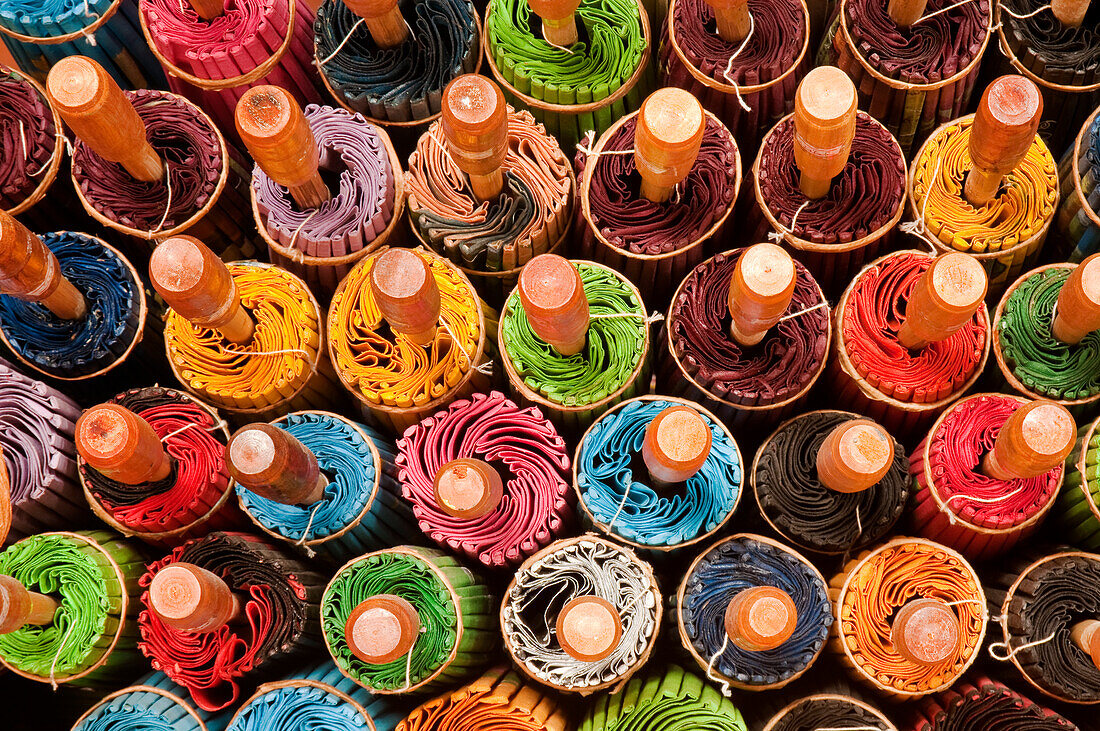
382,628
121,445
98,112
407,294
278,136
667,138
944,299
906,12
1004,128
270,462
1035,439
30,271
855,456
468,488
732,18
589,628
475,125
824,127
383,19
926,632
1069,13
1086,635
760,618
553,299
761,290
188,598
199,287
676,445
20,607
208,9
1078,310
559,25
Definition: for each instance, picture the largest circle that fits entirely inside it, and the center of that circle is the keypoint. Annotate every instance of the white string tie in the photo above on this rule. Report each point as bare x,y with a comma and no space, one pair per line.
777,237
710,667
729,66
343,43
1011,653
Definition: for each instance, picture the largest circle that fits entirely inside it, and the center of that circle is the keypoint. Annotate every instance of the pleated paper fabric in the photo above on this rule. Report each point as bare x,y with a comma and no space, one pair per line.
555,576
1038,599
1079,171
402,85
92,639
153,703
1006,235
318,697
361,509
617,495
279,594
829,710
397,381
525,449
253,42
587,86
749,88
730,566
673,698
39,33
195,497
491,241
1078,507
497,700
955,503
39,484
808,514
834,236
322,244
455,610
979,704
870,589
654,244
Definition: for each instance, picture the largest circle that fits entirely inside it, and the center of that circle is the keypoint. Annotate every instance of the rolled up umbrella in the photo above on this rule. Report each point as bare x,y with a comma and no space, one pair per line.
587,68
910,617
831,482
1078,221
1049,610
487,479
977,704
73,601
689,484
317,697
581,615
746,72
488,187
407,620
829,710
152,466
327,188
574,338
498,699
672,697
1078,507
989,471
912,337
151,164
227,609
758,368
407,333
753,614
830,180
39,33
73,308
915,62
1043,335
215,50
153,702
245,337
391,63
1054,45
986,184
321,482
650,213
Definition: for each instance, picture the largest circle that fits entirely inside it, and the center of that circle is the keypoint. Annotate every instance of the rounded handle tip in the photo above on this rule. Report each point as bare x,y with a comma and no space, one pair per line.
196,283
121,445
405,290
761,290
667,137
824,127
270,462
77,84
676,445
188,598
278,136
1078,310
926,632
475,125
382,628
1003,130
1086,635
589,628
760,618
855,456
1035,439
468,488
553,298
943,300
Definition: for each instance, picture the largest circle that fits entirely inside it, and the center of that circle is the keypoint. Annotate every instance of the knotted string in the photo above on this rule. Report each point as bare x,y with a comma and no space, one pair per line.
305,533
919,227
1011,653
299,256
777,237
729,66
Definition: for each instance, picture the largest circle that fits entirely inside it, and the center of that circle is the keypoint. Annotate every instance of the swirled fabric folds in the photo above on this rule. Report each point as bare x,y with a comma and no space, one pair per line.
530,456
777,369
876,585
455,610
624,502
94,343
1076,217
28,138
383,368
828,711
530,216
670,699
739,563
405,83
864,196
279,595
274,367
361,509
497,700
632,222
807,513
549,580
1043,364
36,436
362,204
869,323
1078,507
196,486
613,351
93,576
150,704
981,704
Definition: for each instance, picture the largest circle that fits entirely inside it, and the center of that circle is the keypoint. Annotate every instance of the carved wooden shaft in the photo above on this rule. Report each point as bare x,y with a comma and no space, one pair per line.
553,298
383,20
906,12
559,26
667,137
273,464
1078,310
475,124
1003,130
676,445
1035,439
732,18
761,289
944,299
926,632
824,127
407,294
468,488
20,607
1069,12
589,628
208,9
382,629
855,456
30,271
188,598
121,445
760,618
